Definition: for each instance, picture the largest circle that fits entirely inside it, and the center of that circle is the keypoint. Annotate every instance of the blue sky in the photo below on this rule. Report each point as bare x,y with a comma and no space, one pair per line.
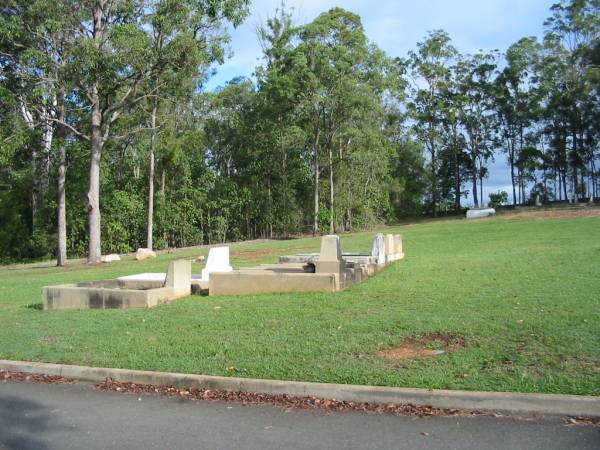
396,26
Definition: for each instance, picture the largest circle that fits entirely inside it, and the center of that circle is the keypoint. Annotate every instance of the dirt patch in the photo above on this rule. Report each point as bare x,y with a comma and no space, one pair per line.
259,253
252,253
426,345
558,213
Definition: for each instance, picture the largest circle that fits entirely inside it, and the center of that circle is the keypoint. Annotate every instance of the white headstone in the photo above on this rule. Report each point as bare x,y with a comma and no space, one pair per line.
218,261
378,248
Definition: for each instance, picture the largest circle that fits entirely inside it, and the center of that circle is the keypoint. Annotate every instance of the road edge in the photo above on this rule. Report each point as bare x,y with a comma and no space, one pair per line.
511,403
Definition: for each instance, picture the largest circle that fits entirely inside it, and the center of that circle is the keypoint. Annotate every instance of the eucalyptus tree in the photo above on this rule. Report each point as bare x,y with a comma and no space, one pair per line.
37,38
571,32
477,115
517,100
431,73
110,64
186,38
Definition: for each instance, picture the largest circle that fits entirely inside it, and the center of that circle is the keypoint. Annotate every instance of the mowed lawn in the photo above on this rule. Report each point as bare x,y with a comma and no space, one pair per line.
521,295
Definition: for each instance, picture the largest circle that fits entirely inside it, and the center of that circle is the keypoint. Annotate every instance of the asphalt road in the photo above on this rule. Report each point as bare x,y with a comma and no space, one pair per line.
40,416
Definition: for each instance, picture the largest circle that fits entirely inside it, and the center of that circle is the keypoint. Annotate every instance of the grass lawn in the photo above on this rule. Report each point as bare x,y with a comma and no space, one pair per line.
521,295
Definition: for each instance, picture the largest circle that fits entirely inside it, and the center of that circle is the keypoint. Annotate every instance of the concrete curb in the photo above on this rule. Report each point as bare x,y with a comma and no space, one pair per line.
506,402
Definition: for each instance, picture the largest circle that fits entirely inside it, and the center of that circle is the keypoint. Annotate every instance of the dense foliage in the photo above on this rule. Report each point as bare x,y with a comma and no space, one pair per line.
108,142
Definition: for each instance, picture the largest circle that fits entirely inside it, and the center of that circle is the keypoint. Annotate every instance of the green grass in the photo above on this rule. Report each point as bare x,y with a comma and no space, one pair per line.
524,293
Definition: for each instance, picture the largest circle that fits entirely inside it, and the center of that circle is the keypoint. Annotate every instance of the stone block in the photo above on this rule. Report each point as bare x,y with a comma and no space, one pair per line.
240,282
144,253
110,258
330,257
390,246
179,277
218,261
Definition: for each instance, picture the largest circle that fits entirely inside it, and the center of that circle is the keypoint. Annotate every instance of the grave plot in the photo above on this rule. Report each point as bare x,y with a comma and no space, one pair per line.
327,271
122,293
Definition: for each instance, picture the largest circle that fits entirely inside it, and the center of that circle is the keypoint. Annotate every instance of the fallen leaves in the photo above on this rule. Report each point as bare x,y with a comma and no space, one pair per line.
286,402
34,377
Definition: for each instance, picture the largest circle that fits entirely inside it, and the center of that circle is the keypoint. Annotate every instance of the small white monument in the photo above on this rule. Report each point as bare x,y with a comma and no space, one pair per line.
378,249
218,261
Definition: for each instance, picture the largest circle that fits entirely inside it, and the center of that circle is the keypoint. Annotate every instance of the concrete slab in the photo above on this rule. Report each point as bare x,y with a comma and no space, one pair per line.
126,292
264,281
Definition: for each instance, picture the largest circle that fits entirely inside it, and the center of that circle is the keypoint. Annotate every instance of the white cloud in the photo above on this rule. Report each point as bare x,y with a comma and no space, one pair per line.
397,25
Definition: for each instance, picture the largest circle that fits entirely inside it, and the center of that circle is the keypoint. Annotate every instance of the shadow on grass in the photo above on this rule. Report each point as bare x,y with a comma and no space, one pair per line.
37,306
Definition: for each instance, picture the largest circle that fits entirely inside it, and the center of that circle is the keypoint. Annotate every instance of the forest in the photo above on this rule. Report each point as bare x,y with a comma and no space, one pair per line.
109,140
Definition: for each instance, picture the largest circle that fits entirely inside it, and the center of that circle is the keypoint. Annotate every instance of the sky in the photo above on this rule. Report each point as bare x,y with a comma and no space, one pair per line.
396,26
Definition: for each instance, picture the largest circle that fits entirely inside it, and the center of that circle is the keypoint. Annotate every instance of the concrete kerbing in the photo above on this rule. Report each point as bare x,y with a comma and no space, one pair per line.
506,402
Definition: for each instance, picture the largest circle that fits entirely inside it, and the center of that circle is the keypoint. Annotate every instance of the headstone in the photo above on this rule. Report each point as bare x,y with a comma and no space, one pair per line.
218,261
390,247
110,258
537,200
378,249
479,213
398,245
179,276
144,253
330,257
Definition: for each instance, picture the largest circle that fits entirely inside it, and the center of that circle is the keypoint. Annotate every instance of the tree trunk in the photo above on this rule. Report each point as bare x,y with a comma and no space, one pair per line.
433,178
511,158
61,257
331,216
316,178
97,142
456,182
474,180
149,243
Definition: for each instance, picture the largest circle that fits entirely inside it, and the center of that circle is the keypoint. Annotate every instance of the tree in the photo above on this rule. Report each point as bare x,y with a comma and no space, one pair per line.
430,69
517,99
477,116
571,32
185,40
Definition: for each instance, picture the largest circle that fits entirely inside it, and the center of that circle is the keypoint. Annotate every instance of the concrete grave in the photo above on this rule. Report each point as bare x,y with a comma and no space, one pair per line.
122,293
328,271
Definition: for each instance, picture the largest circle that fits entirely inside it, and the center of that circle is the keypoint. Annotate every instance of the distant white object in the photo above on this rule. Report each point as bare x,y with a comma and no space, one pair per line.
218,261
479,213
110,258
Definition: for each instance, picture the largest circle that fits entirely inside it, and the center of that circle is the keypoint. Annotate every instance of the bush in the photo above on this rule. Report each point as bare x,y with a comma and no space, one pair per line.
498,199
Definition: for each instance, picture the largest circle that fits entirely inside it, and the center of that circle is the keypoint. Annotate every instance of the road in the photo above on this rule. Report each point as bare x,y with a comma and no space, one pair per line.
42,416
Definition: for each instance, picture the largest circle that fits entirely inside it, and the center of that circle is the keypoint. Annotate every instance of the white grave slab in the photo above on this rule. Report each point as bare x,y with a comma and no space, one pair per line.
218,261
148,276
479,213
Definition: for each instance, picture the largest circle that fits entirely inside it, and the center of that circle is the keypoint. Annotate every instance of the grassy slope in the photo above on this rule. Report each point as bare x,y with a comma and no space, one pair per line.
524,293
